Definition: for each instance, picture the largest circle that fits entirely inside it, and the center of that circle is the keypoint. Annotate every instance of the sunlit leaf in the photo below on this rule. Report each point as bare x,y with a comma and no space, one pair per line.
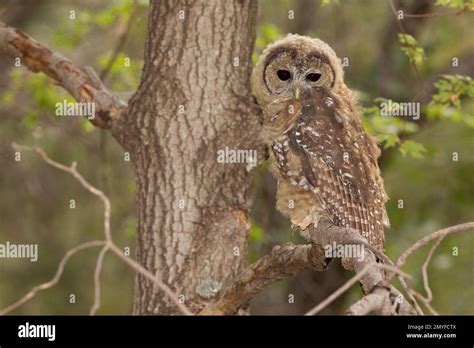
413,149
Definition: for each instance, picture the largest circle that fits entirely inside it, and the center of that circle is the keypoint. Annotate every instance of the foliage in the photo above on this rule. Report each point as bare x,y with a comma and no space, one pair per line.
447,103
411,48
412,148
451,88
459,4
389,129
436,191
267,34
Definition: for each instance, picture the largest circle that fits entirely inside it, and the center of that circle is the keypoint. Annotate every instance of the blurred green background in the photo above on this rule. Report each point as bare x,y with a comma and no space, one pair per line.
428,189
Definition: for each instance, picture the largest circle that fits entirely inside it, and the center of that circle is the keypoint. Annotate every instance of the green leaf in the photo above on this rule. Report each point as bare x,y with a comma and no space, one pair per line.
411,48
451,88
413,149
388,140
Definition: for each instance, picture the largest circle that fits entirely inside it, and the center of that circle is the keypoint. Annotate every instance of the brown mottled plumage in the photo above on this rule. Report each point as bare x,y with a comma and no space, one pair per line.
325,163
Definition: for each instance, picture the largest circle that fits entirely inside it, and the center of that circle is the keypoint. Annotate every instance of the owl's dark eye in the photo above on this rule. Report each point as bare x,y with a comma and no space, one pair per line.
313,77
283,75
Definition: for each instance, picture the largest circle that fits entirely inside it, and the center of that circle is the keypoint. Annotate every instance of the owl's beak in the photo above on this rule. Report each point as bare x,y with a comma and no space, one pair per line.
297,92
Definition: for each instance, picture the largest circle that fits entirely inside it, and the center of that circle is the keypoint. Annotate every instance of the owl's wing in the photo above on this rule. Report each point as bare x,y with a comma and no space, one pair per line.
340,162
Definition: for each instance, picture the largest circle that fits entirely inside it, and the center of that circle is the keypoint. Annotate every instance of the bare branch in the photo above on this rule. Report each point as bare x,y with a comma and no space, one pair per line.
108,243
153,278
283,262
424,270
380,296
435,235
289,259
370,303
32,293
39,58
409,292
98,270
403,31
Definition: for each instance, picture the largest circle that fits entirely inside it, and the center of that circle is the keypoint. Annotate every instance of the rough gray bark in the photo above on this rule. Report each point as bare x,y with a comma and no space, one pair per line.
194,99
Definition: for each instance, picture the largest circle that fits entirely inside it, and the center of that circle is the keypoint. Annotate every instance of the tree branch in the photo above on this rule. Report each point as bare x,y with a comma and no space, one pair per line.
39,58
379,294
283,262
107,244
376,300
435,235
328,234
289,259
32,293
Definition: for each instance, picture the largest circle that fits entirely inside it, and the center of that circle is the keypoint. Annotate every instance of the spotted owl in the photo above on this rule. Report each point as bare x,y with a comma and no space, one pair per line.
324,161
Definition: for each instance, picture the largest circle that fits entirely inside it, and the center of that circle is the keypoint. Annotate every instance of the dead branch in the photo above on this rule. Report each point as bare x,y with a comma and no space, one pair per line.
439,235
39,58
373,301
435,235
98,270
426,284
32,293
107,243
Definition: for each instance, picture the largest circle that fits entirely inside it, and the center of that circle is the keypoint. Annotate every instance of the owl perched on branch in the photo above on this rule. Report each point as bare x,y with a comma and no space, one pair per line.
325,163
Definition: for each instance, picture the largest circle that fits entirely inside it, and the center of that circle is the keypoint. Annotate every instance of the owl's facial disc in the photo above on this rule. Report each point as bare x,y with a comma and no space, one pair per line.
280,72
288,72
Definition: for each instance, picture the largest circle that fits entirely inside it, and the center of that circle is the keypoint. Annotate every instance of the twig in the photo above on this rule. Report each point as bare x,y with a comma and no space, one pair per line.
409,293
403,31
98,270
108,242
122,39
73,171
435,235
433,14
424,270
347,285
153,278
32,293
425,302
420,243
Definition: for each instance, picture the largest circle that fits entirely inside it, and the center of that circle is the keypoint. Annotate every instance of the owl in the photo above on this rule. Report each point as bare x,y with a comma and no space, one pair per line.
324,161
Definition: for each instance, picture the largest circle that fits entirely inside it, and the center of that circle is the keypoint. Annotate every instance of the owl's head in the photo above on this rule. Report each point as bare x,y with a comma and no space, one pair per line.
289,67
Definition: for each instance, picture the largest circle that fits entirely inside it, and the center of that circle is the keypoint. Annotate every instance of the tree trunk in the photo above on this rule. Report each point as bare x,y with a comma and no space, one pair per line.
193,100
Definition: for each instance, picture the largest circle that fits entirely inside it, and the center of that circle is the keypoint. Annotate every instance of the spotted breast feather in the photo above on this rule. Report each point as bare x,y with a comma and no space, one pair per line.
328,156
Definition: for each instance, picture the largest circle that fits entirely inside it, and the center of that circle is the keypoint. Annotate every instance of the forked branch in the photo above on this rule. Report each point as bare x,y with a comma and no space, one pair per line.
107,245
